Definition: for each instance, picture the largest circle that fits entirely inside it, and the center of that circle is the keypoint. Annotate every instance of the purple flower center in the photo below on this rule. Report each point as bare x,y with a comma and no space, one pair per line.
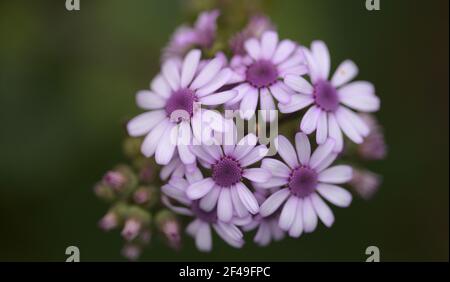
210,217
180,104
303,181
262,73
325,96
226,171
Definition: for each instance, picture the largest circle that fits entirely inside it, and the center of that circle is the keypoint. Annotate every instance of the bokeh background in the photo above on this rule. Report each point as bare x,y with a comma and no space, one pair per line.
67,83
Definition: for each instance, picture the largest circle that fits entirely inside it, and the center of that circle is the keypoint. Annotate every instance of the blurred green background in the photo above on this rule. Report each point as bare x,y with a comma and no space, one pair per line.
68,79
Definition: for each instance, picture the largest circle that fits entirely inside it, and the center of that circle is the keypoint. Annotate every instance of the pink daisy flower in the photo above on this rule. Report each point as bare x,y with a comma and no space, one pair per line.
329,115
267,227
175,115
228,166
302,178
200,228
260,73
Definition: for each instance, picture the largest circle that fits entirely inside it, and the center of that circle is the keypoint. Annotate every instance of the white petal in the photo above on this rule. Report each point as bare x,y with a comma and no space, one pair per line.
348,128
303,148
288,213
267,105
247,198
253,48
209,201
245,145
257,174
190,65
143,123
199,189
248,104
309,216
321,153
322,128
286,151
220,80
148,100
255,155
167,145
359,95
323,210
336,175
345,72
272,203
335,132
336,195
322,56
160,86
280,94
152,140
298,84
210,71
171,74
298,102
224,205
297,226
269,42
203,238
276,167
283,51
309,121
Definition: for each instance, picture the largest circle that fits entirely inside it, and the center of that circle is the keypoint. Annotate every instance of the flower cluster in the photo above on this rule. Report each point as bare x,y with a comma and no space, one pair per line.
226,178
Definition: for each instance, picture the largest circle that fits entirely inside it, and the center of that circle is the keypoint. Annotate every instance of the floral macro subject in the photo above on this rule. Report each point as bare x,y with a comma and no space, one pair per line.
198,160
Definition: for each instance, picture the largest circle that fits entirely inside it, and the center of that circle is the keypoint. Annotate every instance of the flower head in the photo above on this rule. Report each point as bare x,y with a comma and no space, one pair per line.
260,73
229,165
329,99
302,178
174,102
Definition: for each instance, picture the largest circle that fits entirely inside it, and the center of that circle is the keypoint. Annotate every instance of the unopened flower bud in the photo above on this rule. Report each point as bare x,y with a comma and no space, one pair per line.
131,229
146,174
145,236
256,26
114,179
365,183
109,221
374,146
104,192
170,227
131,251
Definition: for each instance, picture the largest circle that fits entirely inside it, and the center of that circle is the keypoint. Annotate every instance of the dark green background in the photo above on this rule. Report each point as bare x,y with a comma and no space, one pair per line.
68,79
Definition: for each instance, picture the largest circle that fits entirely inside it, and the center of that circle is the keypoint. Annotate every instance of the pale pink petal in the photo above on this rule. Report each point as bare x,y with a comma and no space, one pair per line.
200,153
231,230
359,95
238,206
283,51
143,123
269,42
345,72
214,151
336,195
152,140
193,227
214,120
322,56
297,225
253,48
267,106
247,198
314,71
336,174
297,59
321,153
167,145
326,162
220,229
356,121
303,148
248,104
150,101
199,189
309,216
272,203
218,98
288,213
209,201
242,90
255,155
208,72
245,145
310,119
262,237
322,128
335,132
160,86
224,205
286,151
348,128
171,73
203,237
189,68
220,80
273,182
257,174
298,102
276,167
299,84
323,210
280,94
